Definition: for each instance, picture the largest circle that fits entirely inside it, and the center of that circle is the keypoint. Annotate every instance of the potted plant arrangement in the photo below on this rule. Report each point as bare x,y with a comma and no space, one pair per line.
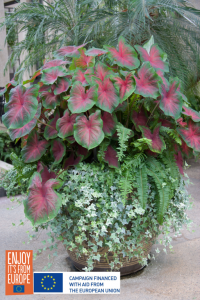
108,129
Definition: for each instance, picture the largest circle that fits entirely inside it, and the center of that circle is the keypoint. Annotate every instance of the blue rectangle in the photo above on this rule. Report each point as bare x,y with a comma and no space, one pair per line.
18,288
48,282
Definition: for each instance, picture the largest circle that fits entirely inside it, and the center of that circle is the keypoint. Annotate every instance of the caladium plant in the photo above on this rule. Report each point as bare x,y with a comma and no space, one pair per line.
97,104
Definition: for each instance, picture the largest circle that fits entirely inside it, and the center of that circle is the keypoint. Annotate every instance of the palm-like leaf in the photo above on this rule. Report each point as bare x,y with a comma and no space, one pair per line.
174,25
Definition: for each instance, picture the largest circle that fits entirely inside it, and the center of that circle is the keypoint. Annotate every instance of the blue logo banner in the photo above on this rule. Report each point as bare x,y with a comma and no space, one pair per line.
48,282
18,288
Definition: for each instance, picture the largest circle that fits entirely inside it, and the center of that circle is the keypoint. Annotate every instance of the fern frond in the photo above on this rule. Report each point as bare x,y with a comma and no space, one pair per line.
141,178
163,193
126,186
172,133
123,134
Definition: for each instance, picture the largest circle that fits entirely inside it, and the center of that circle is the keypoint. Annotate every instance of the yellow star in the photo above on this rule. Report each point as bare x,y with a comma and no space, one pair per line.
45,288
53,285
44,276
51,288
51,276
53,279
48,289
48,276
54,282
42,286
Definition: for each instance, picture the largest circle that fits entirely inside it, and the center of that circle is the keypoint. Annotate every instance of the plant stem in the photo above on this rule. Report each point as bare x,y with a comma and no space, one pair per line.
44,123
152,112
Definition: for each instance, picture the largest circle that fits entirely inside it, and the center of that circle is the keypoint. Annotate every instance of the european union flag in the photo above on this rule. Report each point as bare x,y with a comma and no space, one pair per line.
18,288
48,282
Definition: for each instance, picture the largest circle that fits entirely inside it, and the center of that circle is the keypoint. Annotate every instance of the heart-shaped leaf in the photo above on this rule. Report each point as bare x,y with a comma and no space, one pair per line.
101,71
111,157
191,135
58,150
62,86
50,75
21,107
109,123
54,63
50,100
88,132
44,172
108,99
71,161
155,56
50,131
147,82
125,86
158,144
181,123
69,51
81,151
125,57
20,132
171,100
42,203
191,113
34,148
84,61
179,162
95,52
139,118
80,76
81,100
65,125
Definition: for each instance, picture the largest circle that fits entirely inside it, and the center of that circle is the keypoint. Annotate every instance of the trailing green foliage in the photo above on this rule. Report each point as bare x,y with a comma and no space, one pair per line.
142,188
7,146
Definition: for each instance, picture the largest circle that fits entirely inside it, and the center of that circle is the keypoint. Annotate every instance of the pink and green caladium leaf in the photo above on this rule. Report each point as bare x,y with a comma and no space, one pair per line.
20,132
44,172
191,135
80,99
55,63
139,118
109,123
50,131
102,71
65,125
111,157
71,161
179,162
34,148
108,99
125,86
147,82
50,75
155,56
58,150
42,203
69,51
71,139
84,61
21,107
62,86
158,144
95,52
50,100
88,132
191,113
171,101
80,76
126,56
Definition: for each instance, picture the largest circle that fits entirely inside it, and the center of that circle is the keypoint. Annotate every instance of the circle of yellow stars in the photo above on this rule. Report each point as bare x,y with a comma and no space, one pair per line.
54,283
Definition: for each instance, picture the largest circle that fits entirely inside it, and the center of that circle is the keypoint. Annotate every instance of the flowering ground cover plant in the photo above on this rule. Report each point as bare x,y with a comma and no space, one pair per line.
116,107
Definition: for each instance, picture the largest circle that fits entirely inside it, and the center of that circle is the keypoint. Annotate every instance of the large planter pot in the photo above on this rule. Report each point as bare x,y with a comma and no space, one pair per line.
129,265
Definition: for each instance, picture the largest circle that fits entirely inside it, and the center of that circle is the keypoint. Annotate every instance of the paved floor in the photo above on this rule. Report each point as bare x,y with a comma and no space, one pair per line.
175,276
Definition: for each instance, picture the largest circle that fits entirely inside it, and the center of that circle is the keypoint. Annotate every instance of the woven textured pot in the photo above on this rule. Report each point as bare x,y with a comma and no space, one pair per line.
129,265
